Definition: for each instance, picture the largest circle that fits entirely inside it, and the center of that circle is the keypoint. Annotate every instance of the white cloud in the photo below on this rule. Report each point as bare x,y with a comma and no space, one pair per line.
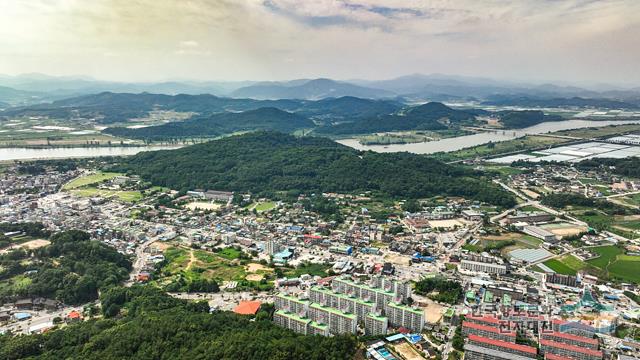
257,39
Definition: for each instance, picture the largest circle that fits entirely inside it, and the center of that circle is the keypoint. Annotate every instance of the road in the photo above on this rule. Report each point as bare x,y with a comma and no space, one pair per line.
38,317
139,262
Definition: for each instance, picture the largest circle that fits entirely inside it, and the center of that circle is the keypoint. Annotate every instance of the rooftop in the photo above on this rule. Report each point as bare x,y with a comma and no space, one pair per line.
247,307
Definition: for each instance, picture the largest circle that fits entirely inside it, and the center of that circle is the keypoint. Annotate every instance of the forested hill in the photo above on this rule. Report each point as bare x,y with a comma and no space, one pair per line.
429,116
274,164
145,323
219,124
525,118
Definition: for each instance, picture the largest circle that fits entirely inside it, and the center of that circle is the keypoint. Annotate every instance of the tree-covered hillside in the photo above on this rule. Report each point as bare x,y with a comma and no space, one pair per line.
525,118
72,269
430,116
218,124
276,164
153,325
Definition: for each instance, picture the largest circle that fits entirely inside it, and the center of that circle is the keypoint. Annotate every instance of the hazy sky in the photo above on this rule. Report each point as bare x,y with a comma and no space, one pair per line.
134,40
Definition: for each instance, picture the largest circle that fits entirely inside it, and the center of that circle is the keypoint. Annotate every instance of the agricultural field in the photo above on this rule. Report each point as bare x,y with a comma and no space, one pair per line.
612,264
616,265
588,133
528,142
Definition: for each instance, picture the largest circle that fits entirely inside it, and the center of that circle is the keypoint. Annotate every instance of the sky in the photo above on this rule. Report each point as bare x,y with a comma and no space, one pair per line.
569,41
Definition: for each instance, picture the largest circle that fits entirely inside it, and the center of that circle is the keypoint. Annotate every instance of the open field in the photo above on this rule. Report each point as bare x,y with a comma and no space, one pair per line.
313,269
126,196
199,264
90,179
262,206
446,224
566,265
31,244
616,265
564,229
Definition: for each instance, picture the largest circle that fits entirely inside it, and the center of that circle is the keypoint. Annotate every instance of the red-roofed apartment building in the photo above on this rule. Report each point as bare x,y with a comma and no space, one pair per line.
581,341
572,351
502,346
469,328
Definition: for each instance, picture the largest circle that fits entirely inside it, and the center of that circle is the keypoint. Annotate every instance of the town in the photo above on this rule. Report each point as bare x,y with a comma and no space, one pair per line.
422,279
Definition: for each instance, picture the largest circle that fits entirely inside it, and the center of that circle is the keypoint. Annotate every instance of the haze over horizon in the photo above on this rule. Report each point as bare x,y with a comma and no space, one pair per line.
570,42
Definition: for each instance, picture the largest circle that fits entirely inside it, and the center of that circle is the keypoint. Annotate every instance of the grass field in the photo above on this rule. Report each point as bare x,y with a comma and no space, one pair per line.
265,206
560,267
616,265
195,264
127,196
308,268
90,180
588,133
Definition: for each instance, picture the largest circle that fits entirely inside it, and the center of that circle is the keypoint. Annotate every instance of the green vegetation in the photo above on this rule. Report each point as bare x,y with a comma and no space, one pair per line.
440,289
273,164
265,206
218,124
90,179
313,269
194,270
566,265
625,167
86,186
593,132
126,196
144,323
616,265
525,118
28,232
430,116
528,142
71,269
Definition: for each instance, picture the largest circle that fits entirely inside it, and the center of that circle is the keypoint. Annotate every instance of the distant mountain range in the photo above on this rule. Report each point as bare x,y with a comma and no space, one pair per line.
311,90
38,88
111,108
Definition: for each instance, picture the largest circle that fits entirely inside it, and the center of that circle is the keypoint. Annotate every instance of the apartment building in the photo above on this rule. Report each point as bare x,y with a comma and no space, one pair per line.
580,341
363,291
292,321
339,322
491,332
345,303
291,304
405,316
375,324
509,348
571,351
485,267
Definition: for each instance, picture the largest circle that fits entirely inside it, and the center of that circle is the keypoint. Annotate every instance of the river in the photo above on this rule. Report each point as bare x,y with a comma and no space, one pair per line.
461,142
73,152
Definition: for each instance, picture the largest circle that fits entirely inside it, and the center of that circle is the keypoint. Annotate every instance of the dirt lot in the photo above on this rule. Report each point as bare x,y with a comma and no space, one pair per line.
202,205
33,244
565,229
407,351
397,259
433,313
447,224
255,267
